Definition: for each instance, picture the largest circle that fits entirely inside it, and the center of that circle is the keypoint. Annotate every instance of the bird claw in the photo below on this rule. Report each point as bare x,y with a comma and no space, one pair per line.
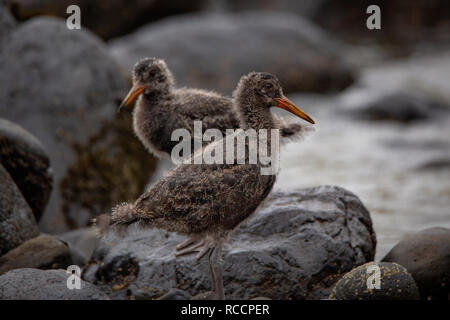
191,246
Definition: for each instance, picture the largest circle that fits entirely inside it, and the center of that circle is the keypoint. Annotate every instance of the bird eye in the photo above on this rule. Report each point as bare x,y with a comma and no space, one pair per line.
152,73
268,86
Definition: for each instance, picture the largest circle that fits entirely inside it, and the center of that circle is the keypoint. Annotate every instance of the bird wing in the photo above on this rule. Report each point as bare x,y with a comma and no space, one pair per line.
194,198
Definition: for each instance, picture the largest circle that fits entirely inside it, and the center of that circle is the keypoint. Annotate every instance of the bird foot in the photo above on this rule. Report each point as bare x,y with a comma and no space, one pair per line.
191,246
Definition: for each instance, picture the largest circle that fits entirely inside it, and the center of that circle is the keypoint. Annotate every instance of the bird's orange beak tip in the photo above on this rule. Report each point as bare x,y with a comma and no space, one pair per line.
132,95
288,105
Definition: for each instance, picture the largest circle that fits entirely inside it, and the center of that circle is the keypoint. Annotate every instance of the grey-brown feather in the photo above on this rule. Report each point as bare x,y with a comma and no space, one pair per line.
163,108
205,198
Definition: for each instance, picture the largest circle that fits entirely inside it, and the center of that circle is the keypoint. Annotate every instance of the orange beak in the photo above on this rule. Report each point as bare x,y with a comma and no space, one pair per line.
135,92
288,105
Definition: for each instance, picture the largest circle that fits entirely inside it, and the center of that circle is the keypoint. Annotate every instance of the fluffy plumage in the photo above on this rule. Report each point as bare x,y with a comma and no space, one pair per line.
162,108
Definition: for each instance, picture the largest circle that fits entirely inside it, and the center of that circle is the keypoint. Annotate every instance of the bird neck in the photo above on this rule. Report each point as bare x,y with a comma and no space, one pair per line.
155,96
253,113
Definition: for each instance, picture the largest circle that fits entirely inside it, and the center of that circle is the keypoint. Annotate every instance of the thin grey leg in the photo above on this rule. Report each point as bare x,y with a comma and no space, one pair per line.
191,249
215,263
211,270
185,243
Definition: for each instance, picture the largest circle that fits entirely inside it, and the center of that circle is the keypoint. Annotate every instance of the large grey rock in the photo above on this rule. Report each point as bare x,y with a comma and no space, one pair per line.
60,85
296,246
399,106
23,156
42,252
81,242
395,284
214,50
17,223
426,255
35,284
303,8
98,17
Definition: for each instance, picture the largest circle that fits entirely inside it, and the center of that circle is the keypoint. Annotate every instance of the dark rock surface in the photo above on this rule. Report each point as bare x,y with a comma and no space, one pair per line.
7,24
395,284
400,107
81,242
426,255
35,284
176,294
25,159
296,246
106,19
42,252
17,223
213,51
39,92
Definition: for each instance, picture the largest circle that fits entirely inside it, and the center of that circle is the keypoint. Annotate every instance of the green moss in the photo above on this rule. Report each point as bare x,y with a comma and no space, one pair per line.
110,168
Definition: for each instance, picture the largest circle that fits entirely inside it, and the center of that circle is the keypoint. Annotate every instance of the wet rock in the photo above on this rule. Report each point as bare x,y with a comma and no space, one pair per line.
208,295
214,50
97,16
402,23
435,164
116,268
296,246
426,255
176,294
42,252
83,241
111,157
395,284
304,8
23,156
17,223
7,24
38,92
400,107
35,284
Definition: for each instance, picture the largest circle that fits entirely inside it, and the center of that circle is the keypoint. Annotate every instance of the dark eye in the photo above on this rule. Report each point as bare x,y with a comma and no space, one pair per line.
268,86
152,73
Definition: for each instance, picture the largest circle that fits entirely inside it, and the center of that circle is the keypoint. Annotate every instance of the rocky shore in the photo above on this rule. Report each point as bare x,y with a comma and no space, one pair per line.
366,197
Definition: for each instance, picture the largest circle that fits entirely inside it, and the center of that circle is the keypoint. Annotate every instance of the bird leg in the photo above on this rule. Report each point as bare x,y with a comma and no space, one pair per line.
190,249
186,243
192,245
215,265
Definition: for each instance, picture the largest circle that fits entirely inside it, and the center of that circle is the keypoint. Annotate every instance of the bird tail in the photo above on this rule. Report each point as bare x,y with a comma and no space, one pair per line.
293,130
117,221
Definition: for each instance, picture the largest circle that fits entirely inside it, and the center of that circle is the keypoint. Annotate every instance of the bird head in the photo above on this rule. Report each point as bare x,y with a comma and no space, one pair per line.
150,75
264,89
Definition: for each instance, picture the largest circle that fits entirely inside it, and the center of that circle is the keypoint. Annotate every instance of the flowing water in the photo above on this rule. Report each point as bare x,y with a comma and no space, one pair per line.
381,162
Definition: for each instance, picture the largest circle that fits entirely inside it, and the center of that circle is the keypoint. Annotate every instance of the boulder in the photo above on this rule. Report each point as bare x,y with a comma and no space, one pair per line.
42,252
395,284
60,85
296,246
82,241
23,156
98,17
35,284
402,23
176,294
17,223
426,255
213,51
400,107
